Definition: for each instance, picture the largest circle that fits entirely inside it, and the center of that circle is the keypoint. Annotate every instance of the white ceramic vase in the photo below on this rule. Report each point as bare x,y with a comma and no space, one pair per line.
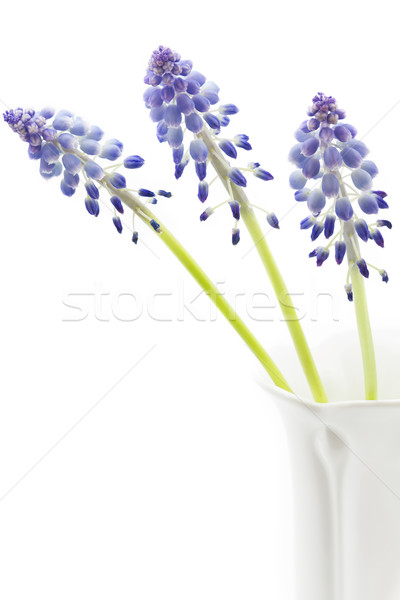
345,459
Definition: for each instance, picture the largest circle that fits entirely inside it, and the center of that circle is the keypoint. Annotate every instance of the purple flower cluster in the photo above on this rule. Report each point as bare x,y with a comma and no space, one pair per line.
335,179
181,99
66,145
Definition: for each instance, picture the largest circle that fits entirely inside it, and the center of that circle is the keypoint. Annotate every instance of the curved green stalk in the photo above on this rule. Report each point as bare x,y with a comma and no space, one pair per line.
250,220
207,285
362,315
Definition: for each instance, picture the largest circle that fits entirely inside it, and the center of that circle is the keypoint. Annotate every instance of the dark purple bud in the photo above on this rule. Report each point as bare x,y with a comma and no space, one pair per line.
146,193
235,236
297,180
326,135
370,167
118,224
180,168
368,203
237,177
332,158
133,162
135,237
117,204
202,190
340,113
310,146
207,213
201,170
362,267
234,204
343,209
362,230
177,154
92,206
212,121
172,116
198,150
329,226
155,225
194,122
316,201
351,157
273,220
262,174
316,231
380,193
342,133
311,168
384,223
384,275
314,252
361,179
378,238
118,181
340,251
201,103
164,193
242,141
227,147
185,104
322,255
330,185
349,291
307,222
381,202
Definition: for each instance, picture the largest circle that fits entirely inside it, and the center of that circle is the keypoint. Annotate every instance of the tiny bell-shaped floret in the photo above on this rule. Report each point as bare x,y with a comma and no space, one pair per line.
235,236
340,251
362,267
362,229
349,291
133,162
235,208
237,177
117,204
384,275
273,220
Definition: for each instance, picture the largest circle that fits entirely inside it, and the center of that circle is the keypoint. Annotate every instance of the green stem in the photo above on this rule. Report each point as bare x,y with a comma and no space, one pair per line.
362,315
250,220
207,285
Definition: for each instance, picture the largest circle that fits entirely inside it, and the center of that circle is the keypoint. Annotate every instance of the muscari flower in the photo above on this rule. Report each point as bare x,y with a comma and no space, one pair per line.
181,101
67,146
335,179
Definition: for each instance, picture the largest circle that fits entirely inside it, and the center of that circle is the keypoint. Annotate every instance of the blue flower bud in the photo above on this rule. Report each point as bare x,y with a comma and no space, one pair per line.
194,122
202,190
186,67
211,95
118,224
71,180
349,291
237,177
68,141
180,168
146,193
342,133
92,206
135,237
47,112
330,185
212,121
310,146
198,150
49,134
362,230
273,220
301,195
201,170
155,225
175,136
34,152
207,213
92,190
180,84
370,167
93,170
79,127
301,136
168,93
173,116
340,251
351,157
155,98
224,120
351,128
72,163
380,199
378,238
133,162
332,158
110,152
117,180
234,204
343,208
359,146
227,147
368,203
193,86
326,135
307,222
199,77
177,154
316,201
316,230
311,167
361,179
50,153
117,204
90,146
62,123
262,174
95,133
66,189
384,275
157,114
228,109
164,193
362,267
329,226
201,103
322,255
296,156
235,236
185,104
297,180
242,141
384,223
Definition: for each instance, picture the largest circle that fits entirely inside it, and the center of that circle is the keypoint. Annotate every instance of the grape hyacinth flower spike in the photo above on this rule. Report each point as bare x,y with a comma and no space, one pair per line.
335,180
182,101
67,146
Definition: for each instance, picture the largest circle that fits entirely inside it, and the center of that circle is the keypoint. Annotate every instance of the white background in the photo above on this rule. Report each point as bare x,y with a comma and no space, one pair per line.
139,459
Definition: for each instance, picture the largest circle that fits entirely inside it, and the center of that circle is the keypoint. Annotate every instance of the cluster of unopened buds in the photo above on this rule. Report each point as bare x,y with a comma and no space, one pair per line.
182,100
335,180
67,146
